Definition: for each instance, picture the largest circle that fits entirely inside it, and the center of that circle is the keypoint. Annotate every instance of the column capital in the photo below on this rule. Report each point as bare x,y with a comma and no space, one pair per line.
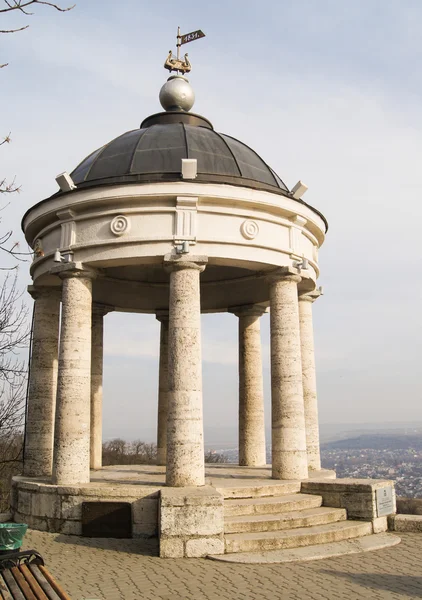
174,262
43,291
310,296
248,310
74,269
101,309
284,274
162,315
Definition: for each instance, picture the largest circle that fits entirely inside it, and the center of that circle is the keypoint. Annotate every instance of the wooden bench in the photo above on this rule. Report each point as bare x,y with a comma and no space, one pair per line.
23,576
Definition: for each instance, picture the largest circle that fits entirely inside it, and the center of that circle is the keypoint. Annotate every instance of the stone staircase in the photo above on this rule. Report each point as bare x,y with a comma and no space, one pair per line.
278,517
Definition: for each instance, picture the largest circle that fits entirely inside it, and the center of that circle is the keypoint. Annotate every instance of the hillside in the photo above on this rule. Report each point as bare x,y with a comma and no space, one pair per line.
377,442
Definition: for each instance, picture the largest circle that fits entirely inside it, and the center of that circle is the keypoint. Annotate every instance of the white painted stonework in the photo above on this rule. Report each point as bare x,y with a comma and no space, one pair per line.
120,243
232,226
173,249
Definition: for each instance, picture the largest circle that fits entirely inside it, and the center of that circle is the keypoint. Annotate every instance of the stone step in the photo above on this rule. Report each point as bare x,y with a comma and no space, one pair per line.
290,520
316,552
295,538
256,489
270,505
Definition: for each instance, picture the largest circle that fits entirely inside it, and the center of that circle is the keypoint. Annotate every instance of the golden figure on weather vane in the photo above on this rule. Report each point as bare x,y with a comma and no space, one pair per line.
175,63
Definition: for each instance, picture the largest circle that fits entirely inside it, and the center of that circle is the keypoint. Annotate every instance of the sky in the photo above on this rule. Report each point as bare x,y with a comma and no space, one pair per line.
328,92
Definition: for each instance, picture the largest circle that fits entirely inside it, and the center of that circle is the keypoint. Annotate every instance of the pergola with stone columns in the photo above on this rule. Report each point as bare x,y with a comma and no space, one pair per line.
135,235
64,424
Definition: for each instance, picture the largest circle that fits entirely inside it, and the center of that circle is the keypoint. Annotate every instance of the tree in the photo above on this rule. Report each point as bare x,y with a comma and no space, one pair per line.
14,327
143,453
119,452
211,456
14,335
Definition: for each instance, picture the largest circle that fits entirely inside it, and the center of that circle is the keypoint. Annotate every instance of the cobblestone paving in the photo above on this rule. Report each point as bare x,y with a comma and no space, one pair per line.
116,569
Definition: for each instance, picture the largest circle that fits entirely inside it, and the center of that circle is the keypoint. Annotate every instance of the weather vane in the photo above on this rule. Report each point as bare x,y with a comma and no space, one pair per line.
175,63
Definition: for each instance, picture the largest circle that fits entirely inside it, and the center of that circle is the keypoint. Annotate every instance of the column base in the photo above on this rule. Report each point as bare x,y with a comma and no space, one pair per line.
191,522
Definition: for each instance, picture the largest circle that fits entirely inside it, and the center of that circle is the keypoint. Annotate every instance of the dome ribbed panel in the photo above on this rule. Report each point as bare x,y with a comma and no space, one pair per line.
155,154
78,175
116,156
211,152
160,150
250,164
280,182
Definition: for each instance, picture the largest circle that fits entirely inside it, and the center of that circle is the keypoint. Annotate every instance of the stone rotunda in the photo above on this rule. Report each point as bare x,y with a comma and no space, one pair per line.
175,220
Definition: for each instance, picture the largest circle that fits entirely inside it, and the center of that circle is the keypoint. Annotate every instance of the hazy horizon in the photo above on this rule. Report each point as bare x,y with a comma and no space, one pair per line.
227,436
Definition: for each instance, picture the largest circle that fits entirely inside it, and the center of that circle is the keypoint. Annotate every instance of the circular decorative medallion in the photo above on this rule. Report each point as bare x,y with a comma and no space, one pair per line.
249,229
120,225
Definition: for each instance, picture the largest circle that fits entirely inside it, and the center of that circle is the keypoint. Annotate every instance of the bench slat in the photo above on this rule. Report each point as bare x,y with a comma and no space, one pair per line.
57,588
23,584
48,590
35,586
4,590
12,585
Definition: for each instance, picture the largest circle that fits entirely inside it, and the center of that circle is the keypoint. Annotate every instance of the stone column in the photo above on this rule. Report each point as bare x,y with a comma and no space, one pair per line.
309,379
97,356
251,392
72,427
185,440
289,459
163,388
38,459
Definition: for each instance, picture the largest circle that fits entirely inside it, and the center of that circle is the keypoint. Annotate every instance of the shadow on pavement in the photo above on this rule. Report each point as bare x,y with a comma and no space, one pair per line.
141,547
408,585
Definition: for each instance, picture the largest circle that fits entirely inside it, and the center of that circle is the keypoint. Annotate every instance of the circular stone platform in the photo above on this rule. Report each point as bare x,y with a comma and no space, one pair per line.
58,509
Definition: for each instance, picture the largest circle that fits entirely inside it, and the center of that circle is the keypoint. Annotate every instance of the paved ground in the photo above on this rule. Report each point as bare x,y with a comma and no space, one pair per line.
116,570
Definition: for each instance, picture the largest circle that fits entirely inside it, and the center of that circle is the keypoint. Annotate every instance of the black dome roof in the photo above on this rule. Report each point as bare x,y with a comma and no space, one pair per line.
154,152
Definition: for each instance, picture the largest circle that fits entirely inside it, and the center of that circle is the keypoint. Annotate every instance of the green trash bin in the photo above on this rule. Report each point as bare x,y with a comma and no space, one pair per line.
11,536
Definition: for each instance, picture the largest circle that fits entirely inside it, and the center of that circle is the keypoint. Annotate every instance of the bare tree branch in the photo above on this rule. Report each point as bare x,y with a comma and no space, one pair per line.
5,187
11,250
13,31
6,140
9,188
21,5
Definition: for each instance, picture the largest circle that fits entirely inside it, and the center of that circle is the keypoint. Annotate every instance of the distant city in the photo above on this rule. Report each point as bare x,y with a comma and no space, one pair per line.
402,466
395,456
362,450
